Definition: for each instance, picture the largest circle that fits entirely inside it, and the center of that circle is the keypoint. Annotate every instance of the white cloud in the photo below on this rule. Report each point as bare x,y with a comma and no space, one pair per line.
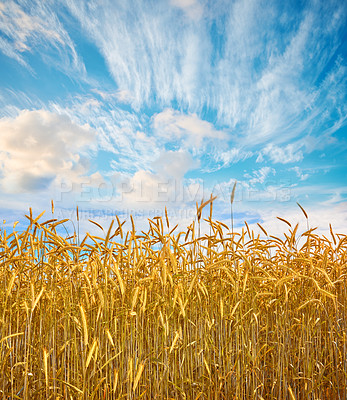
136,144
232,156
174,164
123,96
163,184
266,69
299,173
39,147
284,155
265,72
192,8
143,190
263,204
319,217
148,53
189,128
35,27
260,175
120,132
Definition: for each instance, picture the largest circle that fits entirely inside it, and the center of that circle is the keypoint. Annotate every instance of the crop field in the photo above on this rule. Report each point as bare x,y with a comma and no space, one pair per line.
165,314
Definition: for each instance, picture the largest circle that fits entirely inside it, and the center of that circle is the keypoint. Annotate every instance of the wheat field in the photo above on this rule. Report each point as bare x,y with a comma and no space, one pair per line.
164,314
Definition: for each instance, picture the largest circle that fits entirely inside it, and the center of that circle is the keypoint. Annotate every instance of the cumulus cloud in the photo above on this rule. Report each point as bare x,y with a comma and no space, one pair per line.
164,183
189,128
174,164
38,147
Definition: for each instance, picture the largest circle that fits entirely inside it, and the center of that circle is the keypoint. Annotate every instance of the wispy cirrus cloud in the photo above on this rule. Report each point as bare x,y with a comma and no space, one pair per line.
251,89
234,155
261,67
153,51
33,26
277,82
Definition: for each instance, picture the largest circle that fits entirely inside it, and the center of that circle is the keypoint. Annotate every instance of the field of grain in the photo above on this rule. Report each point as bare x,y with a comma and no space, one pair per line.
172,315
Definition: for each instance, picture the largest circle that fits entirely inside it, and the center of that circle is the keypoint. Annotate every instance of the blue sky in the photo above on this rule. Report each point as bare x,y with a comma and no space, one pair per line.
127,106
